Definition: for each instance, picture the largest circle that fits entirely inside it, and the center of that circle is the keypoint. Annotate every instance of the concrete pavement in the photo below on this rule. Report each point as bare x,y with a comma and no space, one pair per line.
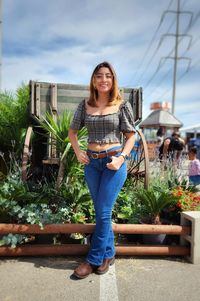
129,279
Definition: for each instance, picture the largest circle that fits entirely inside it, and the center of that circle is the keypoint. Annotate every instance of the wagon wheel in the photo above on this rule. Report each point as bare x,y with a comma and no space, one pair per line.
27,152
138,165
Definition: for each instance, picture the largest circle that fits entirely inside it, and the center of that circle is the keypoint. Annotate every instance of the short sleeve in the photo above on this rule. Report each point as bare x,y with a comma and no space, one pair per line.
79,116
127,124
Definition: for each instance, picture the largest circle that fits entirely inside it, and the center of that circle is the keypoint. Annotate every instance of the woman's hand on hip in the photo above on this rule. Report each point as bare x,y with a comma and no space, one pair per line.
116,163
83,157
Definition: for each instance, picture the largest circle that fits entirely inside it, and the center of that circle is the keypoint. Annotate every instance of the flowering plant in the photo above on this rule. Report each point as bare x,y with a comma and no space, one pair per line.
188,200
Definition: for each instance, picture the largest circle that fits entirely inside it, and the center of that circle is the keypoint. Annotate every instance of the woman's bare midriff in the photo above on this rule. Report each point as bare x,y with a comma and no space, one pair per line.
95,147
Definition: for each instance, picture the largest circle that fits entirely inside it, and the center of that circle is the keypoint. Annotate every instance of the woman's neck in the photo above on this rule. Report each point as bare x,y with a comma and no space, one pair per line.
103,99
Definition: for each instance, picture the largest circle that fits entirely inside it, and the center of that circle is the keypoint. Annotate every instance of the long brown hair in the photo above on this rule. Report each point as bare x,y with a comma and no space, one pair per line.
115,96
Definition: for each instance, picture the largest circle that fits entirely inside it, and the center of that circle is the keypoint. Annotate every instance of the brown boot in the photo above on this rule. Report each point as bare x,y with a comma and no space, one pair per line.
84,270
105,266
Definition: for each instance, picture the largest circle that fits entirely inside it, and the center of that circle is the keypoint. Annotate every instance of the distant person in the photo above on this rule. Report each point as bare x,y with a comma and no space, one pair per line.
194,167
171,147
160,132
160,136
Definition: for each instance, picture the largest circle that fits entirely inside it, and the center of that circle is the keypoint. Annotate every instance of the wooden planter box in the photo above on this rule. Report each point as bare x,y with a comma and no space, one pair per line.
79,249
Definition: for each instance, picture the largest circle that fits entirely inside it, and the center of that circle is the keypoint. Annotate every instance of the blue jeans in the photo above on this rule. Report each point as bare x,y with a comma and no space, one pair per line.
104,185
195,180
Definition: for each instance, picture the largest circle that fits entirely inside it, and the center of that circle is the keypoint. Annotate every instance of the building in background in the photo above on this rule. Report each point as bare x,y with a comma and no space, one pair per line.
192,137
159,124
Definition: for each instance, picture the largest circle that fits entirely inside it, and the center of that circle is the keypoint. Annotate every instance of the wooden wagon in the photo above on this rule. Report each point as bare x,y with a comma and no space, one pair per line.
60,97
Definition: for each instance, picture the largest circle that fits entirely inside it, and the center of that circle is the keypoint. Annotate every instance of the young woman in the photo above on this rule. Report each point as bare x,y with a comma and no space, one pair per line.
106,117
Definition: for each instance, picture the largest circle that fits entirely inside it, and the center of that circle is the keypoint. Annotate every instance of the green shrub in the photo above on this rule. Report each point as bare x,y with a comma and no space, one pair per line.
13,120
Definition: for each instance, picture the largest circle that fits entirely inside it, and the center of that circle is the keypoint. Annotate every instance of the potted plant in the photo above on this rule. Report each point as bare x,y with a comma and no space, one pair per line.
153,201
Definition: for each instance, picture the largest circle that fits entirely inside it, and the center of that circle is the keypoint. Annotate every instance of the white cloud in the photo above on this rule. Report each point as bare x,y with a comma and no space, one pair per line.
63,40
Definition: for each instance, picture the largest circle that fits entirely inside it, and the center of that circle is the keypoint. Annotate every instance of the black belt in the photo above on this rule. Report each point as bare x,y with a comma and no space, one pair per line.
102,155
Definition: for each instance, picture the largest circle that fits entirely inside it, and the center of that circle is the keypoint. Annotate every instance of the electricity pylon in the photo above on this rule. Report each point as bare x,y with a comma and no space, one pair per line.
177,37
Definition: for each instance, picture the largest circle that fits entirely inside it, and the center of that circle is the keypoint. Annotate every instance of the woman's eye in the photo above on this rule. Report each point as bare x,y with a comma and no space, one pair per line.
101,76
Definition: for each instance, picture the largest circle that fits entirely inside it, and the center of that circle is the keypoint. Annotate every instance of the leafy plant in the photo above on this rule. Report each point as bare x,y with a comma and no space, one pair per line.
14,239
77,196
127,208
154,202
13,120
182,183
40,203
57,130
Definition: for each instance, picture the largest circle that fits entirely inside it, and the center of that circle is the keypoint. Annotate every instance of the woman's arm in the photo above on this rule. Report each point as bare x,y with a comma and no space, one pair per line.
116,162
129,144
81,155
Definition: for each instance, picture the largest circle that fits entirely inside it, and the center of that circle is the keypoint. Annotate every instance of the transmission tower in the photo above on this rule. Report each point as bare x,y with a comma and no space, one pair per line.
177,37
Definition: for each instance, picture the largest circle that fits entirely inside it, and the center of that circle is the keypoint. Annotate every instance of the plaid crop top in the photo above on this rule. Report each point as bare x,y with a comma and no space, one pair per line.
104,128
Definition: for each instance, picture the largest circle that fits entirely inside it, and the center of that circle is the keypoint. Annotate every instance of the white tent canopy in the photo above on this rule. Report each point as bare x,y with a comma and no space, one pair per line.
191,128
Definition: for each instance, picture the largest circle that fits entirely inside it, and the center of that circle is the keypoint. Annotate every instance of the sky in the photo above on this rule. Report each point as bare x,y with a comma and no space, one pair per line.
61,41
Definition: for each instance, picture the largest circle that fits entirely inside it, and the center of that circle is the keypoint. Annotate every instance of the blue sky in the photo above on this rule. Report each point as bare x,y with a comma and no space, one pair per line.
63,40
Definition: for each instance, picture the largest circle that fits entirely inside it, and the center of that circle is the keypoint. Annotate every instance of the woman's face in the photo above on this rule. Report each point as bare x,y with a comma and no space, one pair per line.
103,80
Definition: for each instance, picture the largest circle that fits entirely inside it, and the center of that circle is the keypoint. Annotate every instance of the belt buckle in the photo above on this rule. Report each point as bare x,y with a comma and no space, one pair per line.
94,156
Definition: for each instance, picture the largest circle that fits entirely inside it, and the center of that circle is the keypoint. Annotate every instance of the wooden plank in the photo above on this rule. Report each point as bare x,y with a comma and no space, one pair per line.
62,106
73,86
37,101
66,99
45,91
32,106
69,107
54,105
51,161
45,85
73,93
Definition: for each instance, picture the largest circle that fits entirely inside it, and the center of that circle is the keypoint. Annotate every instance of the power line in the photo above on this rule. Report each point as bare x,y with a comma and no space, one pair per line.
175,57
179,78
186,72
154,53
151,42
159,83
170,53
151,59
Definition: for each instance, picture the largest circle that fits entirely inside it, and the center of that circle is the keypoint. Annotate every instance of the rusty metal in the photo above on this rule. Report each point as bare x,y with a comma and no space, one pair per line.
74,249
89,228
138,165
78,249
